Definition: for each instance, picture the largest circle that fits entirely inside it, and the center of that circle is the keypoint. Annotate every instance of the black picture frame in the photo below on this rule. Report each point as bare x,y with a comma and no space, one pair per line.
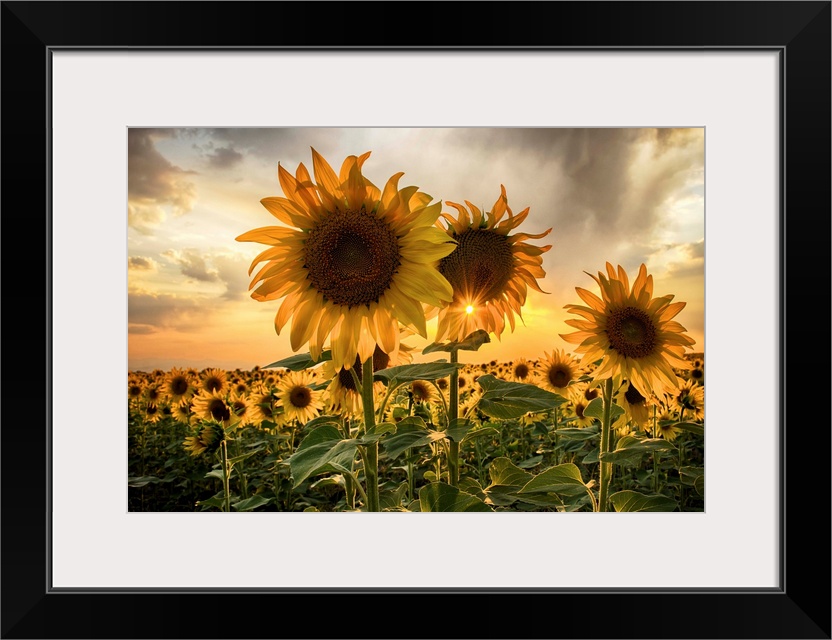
799,31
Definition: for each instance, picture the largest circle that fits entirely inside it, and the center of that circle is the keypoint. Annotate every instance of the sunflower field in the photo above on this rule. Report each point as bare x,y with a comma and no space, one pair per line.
353,423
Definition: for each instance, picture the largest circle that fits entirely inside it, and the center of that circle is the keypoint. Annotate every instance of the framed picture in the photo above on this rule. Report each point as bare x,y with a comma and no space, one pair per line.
753,77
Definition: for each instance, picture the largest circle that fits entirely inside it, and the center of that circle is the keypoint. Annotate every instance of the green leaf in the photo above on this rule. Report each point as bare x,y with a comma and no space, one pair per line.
141,481
322,446
631,501
375,434
564,478
215,473
251,503
629,447
504,472
688,475
216,502
595,409
579,434
317,422
411,372
470,485
439,496
531,462
300,362
699,485
459,429
410,432
505,400
698,429
591,457
243,456
482,432
471,342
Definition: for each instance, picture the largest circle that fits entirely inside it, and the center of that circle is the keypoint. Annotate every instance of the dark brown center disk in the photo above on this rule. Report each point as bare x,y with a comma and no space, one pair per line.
179,385
212,384
631,332
301,397
559,375
351,257
219,410
480,266
521,371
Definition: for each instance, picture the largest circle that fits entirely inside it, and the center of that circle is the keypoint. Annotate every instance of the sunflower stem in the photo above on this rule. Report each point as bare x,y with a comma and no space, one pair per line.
371,450
453,449
605,467
225,476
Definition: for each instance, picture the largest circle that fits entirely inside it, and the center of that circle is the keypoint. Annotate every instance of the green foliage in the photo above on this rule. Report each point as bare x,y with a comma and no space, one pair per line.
471,342
631,501
505,400
395,376
300,362
439,496
629,447
321,447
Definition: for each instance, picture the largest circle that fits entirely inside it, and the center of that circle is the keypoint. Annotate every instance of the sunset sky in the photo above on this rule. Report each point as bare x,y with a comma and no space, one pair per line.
625,196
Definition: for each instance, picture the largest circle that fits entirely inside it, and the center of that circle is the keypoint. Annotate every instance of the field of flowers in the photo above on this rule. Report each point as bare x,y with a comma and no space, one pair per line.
354,424
271,435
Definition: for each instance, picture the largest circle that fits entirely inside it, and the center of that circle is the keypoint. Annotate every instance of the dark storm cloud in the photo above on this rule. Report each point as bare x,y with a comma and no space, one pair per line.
153,181
224,157
147,312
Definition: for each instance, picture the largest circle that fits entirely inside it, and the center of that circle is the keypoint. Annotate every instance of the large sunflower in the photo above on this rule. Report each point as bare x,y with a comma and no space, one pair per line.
356,262
489,269
632,331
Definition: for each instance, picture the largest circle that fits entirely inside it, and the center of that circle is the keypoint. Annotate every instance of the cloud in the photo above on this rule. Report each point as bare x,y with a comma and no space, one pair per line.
192,264
153,182
139,263
233,271
148,312
224,157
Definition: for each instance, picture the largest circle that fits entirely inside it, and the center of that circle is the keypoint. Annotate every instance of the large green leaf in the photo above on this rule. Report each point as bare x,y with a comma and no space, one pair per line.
578,434
377,432
459,429
629,447
698,429
564,478
631,501
411,372
504,472
439,496
471,342
505,400
410,432
322,446
595,409
689,475
699,485
482,432
251,503
142,481
300,362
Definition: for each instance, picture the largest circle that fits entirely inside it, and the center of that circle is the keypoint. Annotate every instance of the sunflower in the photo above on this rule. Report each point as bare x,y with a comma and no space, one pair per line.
214,406
214,380
635,405
177,386
631,331
522,371
691,400
344,397
558,370
575,409
357,262
300,402
488,269
182,412
262,405
208,438
153,413
665,428
422,391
